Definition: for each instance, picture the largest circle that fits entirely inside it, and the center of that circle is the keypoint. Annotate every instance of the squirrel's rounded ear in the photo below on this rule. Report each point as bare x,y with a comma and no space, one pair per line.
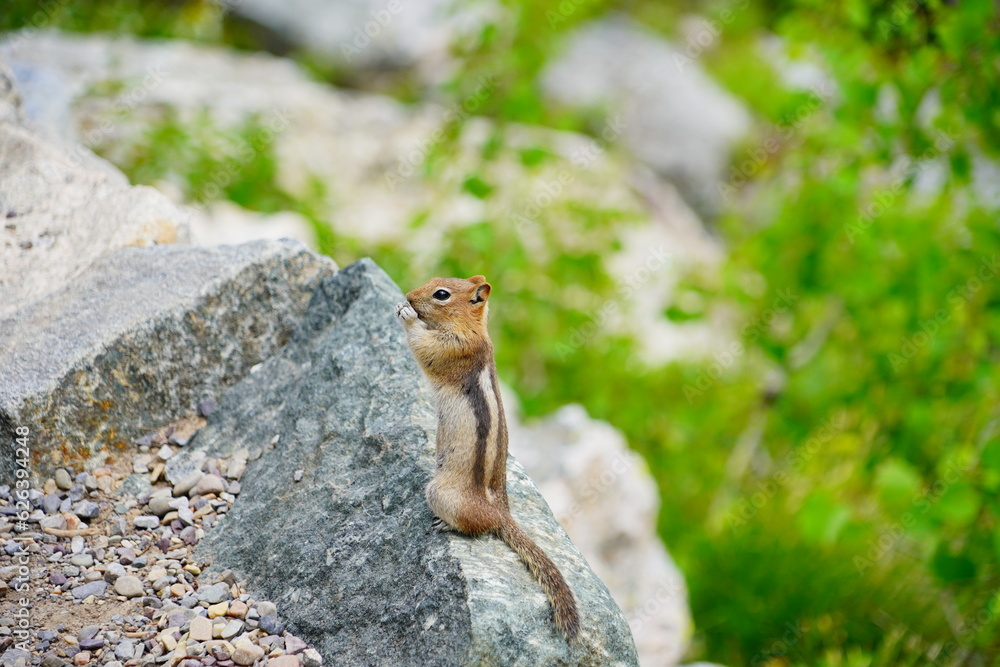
477,279
482,293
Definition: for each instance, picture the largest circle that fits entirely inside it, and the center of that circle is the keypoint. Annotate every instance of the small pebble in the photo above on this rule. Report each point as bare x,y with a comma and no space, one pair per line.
294,645
95,588
62,479
128,586
238,609
50,503
217,610
91,644
215,593
246,653
311,658
86,509
201,629
265,608
82,560
271,625
209,484
146,522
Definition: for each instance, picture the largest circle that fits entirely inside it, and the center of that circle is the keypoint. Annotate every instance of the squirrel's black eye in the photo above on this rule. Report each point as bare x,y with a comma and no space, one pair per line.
441,295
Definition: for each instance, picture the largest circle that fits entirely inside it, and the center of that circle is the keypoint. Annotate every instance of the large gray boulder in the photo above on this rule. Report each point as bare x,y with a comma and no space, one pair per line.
348,552
139,338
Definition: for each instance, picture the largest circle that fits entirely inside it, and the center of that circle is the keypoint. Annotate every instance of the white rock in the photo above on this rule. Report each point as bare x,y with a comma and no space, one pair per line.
48,240
673,116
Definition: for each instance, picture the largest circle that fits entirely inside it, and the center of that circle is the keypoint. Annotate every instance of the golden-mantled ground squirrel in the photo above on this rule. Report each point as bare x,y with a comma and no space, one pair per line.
445,322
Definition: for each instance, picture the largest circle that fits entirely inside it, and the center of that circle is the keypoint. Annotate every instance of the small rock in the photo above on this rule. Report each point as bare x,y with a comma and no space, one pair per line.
117,525
238,609
178,590
113,571
130,587
246,653
160,506
297,475
265,608
165,453
139,562
91,644
271,625
52,660
50,503
182,487
95,588
125,650
236,468
209,484
88,632
216,610
81,658
56,521
294,645
169,639
82,560
177,619
215,593
136,485
14,656
189,535
284,661
63,479
86,509
77,492
201,629
232,629
311,658
206,407
90,483
146,521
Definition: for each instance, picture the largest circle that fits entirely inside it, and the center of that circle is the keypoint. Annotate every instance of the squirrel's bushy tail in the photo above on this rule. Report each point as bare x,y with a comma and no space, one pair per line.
563,604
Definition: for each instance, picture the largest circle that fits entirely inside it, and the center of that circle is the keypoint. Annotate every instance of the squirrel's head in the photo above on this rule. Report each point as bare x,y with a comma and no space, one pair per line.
454,304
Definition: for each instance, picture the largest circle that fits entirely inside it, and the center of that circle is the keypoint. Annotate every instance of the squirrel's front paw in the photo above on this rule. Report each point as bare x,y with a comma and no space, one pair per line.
405,312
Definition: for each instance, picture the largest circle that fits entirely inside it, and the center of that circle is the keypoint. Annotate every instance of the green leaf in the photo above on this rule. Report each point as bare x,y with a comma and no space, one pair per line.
897,483
958,505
